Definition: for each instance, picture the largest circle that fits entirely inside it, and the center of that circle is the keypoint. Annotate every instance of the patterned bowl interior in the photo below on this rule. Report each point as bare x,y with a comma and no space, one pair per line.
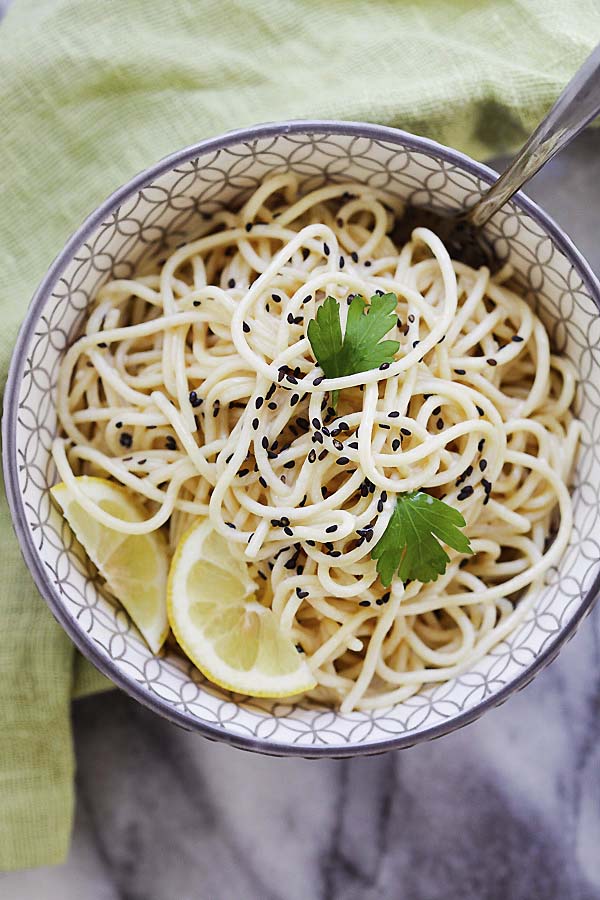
166,206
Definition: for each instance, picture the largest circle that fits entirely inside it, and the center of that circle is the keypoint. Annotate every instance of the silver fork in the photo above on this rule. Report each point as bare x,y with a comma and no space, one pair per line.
462,231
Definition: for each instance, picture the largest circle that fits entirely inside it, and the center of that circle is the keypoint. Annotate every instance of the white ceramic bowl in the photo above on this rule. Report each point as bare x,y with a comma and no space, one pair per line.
162,206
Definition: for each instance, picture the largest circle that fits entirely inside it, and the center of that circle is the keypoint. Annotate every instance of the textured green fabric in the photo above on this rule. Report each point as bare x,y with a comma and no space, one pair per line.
92,92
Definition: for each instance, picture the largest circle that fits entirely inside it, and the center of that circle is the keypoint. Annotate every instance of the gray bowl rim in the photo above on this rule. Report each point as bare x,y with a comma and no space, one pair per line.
29,552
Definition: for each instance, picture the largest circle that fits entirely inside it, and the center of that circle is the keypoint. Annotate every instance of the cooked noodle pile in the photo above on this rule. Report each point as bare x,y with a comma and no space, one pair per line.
196,387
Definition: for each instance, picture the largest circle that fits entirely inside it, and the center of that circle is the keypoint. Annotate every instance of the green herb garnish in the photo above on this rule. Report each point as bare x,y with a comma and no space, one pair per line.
361,348
410,545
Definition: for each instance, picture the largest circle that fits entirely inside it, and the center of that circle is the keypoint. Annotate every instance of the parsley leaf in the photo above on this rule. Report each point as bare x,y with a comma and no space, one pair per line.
361,348
409,543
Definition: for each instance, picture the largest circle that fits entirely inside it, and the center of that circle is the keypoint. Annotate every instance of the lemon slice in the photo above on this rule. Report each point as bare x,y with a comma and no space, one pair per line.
227,634
135,566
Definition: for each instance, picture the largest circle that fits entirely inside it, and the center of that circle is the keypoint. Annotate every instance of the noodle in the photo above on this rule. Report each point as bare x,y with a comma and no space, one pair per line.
196,388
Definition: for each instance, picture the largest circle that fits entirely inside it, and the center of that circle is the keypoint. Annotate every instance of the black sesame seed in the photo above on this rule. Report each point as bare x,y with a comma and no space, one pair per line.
262,481
141,462
195,400
289,465
492,362
326,430
415,344
272,405
248,226
231,283
481,444
196,303
354,256
261,574
259,402
394,414
331,529
305,253
384,366
336,553
342,461
322,455
270,392
460,371
102,345
312,456
341,262
230,525
318,380
229,458
368,263
479,410
317,437
384,425
287,530
292,379
354,445
326,250
465,492
118,424
436,411
307,299
276,298
265,442
294,399
243,472
406,431
301,594
439,424
290,318
395,444
487,485
379,506
255,424
482,465
338,444
517,338
170,442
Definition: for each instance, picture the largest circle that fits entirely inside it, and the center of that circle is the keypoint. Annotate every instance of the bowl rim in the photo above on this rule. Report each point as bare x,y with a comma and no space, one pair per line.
81,639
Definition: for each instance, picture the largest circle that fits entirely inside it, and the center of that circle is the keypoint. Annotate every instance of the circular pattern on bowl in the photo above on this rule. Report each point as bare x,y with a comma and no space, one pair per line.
164,206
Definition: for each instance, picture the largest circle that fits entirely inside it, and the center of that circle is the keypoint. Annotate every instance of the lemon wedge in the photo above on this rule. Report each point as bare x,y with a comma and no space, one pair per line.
135,566
227,634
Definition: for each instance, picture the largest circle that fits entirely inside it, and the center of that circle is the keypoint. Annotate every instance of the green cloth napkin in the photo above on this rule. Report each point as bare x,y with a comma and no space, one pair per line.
90,93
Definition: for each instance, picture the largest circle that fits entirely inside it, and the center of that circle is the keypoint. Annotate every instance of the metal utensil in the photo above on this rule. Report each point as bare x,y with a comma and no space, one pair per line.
462,231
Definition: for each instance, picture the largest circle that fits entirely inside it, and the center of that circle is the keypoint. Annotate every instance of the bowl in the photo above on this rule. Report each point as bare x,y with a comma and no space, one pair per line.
161,207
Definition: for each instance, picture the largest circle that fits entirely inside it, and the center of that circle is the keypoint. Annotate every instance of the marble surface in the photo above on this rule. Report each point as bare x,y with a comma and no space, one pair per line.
506,809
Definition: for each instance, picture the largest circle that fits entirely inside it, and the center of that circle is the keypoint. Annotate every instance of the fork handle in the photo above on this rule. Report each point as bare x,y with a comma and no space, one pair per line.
578,104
